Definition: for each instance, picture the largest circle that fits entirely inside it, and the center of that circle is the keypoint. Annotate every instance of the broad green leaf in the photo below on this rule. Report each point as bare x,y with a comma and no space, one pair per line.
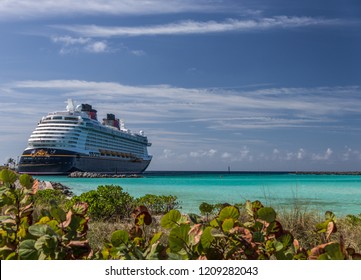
171,219
330,216
229,212
207,237
277,245
8,176
26,181
119,237
58,214
322,227
227,224
27,250
214,223
46,244
267,214
178,237
333,250
39,230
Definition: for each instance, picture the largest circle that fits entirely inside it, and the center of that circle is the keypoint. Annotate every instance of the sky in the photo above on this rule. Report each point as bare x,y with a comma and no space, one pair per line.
256,85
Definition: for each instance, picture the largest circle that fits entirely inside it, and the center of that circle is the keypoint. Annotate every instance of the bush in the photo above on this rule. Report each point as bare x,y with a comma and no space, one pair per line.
158,204
107,202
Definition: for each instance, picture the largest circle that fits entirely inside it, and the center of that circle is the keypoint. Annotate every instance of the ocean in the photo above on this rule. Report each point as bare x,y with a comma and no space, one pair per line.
340,194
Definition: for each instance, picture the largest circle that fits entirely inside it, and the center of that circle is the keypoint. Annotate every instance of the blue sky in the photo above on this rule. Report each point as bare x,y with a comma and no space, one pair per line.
255,85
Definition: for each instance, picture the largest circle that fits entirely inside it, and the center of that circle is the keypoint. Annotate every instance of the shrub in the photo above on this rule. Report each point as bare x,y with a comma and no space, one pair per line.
158,204
107,202
56,235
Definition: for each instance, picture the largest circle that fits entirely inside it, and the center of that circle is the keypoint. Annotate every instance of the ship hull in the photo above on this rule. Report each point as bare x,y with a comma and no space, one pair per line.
59,162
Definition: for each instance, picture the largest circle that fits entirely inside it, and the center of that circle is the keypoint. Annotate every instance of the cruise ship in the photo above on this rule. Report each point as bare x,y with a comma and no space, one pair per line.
74,140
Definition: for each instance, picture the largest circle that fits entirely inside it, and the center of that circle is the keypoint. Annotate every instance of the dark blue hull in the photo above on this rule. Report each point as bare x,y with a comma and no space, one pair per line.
56,161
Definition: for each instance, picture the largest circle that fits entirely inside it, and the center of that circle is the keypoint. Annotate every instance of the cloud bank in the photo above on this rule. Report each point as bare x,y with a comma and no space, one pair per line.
30,9
198,27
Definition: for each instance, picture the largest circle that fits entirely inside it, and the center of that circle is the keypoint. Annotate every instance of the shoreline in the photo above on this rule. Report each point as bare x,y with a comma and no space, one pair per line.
79,174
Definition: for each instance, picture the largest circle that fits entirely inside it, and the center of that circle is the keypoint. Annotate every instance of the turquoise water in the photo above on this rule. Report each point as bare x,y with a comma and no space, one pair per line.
338,193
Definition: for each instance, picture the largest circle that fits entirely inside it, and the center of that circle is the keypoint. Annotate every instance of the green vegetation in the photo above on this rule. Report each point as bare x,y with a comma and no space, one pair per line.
46,225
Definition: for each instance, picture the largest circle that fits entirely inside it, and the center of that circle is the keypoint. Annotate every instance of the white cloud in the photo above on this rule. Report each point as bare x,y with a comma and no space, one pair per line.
301,154
68,40
217,109
198,27
73,45
200,154
29,9
138,52
97,47
324,156
167,153
226,155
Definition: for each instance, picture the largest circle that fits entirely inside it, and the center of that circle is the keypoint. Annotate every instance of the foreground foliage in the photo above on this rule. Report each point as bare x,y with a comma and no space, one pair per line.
62,234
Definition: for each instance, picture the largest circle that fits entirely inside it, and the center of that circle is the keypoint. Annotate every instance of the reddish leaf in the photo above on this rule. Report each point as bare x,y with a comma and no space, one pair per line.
331,228
196,231
138,210
67,222
317,251
135,232
35,186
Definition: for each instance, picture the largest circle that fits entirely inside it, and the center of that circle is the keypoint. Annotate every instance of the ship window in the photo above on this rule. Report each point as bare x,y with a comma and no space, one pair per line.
57,118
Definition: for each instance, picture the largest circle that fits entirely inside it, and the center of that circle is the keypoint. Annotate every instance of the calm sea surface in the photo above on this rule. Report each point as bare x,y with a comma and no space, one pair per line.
338,193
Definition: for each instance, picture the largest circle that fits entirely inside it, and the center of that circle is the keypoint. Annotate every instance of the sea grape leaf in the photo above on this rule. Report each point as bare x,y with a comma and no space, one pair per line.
229,212
143,218
275,228
58,214
195,234
171,219
331,228
214,223
322,227
80,208
207,237
277,245
8,176
26,181
27,250
119,237
330,215
227,224
333,250
39,230
67,219
267,214
46,244
178,237
138,210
